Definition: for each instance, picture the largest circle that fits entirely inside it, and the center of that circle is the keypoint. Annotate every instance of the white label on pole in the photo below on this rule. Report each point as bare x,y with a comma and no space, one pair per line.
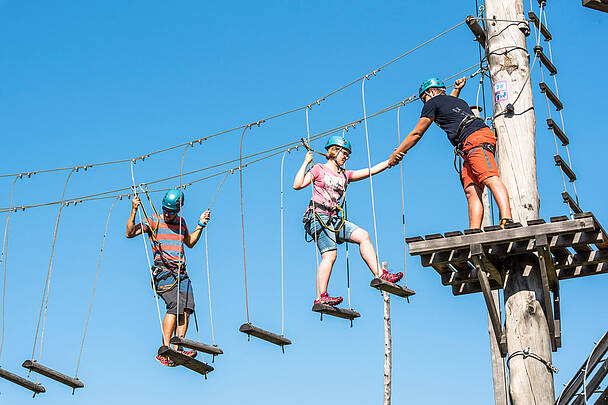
500,91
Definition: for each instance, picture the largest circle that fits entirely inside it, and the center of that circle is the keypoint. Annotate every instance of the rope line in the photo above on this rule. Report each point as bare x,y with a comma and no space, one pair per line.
402,200
143,238
47,284
371,182
209,287
3,257
86,325
218,188
282,252
243,221
314,217
308,106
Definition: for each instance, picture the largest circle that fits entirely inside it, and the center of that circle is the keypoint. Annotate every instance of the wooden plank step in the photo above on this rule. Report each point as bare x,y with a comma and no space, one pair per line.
185,361
433,236
537,23
391,288
273,338
24,382
503,236
193,344
582,259
551,96
600,5
335,311
538,50
453,233
565,168
35,367
558,132
582,271
532,222
414,239
472,230
571,202
492,228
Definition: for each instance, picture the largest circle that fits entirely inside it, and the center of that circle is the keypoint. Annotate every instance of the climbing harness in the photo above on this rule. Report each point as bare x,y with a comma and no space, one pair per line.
460,155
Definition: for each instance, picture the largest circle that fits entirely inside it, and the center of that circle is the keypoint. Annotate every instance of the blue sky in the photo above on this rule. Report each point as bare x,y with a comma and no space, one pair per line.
102,81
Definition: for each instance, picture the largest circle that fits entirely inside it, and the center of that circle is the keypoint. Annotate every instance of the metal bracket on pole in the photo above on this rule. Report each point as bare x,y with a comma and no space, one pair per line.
548,279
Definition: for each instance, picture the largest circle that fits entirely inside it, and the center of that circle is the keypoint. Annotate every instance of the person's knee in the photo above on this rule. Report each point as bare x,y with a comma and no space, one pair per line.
329,256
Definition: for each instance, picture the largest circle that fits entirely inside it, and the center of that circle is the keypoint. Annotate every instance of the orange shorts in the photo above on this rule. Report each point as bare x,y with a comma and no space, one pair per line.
478,163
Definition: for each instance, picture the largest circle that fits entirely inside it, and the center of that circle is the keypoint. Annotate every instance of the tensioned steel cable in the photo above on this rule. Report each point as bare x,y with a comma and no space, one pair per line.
200,140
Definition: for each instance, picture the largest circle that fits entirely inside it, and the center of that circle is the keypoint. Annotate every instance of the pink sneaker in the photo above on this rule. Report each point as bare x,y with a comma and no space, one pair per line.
390,277
327,300
165,361
189,353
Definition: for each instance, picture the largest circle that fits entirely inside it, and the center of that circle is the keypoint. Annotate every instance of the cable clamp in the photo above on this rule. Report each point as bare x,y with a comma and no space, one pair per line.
525,353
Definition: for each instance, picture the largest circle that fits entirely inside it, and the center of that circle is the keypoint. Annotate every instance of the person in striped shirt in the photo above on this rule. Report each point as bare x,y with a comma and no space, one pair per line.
168,234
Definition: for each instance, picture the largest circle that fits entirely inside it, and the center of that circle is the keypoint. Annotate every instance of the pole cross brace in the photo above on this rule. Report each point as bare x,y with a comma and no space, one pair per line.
483,265
549,281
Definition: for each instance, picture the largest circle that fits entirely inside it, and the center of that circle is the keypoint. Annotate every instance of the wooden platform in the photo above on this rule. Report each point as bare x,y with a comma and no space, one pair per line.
259,333
391,288
24,382
185,361
469,261
336,311
52,374
193,344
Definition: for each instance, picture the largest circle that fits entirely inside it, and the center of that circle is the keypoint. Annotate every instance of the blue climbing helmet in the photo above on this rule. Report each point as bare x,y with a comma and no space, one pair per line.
429,83
173,200
338,140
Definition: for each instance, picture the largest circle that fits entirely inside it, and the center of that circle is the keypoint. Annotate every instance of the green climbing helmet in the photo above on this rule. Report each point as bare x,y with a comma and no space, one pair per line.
173,200
338,140
429,83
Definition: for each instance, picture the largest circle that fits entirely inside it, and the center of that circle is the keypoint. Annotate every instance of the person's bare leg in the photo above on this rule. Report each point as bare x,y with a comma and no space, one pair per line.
501,195
324,271
183,328
368,254
168,328
473,194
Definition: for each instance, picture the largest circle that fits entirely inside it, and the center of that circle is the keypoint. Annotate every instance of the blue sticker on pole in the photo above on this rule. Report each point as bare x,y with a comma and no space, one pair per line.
500,91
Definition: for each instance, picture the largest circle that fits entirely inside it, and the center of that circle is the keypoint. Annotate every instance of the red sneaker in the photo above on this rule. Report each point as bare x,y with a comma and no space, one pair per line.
165,361
327,300
189,353
390,277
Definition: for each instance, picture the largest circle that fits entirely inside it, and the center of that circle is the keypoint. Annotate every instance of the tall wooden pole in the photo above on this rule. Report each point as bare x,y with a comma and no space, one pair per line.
525,324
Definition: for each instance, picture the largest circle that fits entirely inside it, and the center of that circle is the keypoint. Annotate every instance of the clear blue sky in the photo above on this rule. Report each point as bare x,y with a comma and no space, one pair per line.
110,80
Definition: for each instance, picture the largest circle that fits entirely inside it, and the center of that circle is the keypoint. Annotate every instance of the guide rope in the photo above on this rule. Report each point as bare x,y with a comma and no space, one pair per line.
282,251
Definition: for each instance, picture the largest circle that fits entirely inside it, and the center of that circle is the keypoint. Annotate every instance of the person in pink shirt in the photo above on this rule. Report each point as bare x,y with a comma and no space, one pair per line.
323,219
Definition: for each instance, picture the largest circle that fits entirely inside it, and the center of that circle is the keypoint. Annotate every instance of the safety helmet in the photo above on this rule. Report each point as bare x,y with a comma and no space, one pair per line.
429,83
173,200
338,140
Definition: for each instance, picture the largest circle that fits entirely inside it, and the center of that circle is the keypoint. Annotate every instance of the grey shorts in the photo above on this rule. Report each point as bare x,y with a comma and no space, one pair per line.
186,296
326,239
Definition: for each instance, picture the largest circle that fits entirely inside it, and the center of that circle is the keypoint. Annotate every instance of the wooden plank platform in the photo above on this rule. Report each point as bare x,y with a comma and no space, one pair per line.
565,168
336,311
193,344
538,50
35,367
558,132
600,5
24,382
273,338
186,361
391,288
551,96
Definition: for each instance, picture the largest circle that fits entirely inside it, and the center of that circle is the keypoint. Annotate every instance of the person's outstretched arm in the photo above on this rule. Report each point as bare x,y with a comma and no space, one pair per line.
365,173
132,229
410,140
458,85
303,178
191,238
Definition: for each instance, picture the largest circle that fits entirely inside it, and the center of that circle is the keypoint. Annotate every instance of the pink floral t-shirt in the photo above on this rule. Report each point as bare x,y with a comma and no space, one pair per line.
329,187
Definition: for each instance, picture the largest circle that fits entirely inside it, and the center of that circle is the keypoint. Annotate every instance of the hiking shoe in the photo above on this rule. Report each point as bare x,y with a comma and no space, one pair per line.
390,277
327,300
165,361
505,221
189,353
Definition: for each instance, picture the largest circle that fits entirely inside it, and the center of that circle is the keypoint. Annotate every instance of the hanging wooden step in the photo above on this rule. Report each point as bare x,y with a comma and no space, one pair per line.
538,51
273,338
537,23
565,168
24,382
336,311
35,367
193,344
600,5
558,132
551,96
181,359
571,202
477,30
391,288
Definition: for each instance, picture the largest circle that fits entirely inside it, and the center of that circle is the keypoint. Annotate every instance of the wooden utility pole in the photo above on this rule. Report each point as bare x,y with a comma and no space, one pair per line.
526,327
387,345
